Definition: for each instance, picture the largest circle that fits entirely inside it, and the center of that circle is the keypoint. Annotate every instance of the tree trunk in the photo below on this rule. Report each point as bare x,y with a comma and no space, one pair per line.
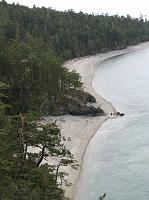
42,155
25,150
57,170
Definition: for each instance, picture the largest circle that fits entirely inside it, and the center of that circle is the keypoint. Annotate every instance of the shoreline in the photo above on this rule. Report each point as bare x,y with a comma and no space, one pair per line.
82,129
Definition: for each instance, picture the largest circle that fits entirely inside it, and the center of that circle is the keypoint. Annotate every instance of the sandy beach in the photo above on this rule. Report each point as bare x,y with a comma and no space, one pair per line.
82,129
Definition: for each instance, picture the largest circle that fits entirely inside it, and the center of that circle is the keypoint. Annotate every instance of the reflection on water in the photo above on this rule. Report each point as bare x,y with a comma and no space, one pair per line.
117,158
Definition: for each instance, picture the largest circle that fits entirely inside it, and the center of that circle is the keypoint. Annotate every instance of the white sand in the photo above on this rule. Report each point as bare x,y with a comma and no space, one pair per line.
82,129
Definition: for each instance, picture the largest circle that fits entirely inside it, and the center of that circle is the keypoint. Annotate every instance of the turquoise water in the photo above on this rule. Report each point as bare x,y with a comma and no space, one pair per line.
117,159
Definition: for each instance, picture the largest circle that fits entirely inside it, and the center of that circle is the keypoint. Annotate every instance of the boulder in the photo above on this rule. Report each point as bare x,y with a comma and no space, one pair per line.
76,103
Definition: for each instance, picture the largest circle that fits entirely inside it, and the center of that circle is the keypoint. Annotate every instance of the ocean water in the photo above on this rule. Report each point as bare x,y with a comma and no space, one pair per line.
117,159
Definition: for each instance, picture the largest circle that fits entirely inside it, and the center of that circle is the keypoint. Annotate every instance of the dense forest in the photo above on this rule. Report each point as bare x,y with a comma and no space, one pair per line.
71,34
34,43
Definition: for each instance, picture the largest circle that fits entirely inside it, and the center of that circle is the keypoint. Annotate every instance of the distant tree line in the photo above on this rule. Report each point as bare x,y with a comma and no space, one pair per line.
71,34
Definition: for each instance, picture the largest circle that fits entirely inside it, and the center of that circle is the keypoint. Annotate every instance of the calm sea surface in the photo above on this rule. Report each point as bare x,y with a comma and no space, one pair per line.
117,159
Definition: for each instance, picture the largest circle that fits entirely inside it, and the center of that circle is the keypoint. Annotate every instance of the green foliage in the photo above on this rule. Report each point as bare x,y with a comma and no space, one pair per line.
23,175
3,106
33,45
33,76
71,34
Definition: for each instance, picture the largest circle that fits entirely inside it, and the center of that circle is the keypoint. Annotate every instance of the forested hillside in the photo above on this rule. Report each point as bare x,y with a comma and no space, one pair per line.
33,45
71,34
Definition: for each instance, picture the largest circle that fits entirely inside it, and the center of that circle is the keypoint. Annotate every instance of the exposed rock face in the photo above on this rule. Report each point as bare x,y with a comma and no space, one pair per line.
75,103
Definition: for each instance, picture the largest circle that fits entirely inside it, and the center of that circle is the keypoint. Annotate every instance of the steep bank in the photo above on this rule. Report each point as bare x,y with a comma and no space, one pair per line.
82,129
74,102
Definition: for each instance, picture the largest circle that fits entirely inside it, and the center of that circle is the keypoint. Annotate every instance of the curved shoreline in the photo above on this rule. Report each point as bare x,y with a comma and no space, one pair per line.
104,104
82,129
